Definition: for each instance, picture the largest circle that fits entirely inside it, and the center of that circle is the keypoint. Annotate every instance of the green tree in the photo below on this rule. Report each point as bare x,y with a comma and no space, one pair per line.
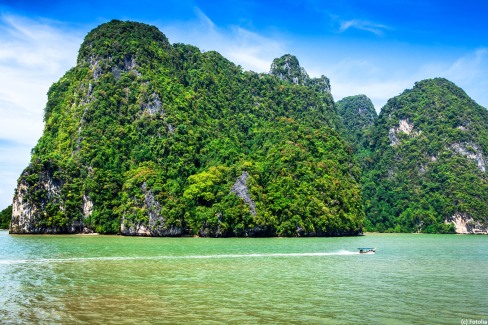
5,216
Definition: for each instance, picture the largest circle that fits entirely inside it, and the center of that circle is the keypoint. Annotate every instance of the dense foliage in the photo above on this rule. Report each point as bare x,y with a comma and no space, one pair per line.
5,216
429,153
357,115
145,137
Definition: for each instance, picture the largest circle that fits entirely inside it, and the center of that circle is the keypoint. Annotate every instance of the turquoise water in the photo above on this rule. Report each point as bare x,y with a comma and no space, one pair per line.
412,279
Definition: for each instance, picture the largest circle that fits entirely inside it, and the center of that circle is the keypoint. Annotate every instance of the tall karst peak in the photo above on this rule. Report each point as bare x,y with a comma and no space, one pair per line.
428,170
288,69
117,36
121,46
439,90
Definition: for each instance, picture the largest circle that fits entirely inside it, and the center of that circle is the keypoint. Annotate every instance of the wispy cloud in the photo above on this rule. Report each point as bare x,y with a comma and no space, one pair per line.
204,20
14,157
253,51
377,29
470,67
468,71
33,55
381,82
353,76
249,49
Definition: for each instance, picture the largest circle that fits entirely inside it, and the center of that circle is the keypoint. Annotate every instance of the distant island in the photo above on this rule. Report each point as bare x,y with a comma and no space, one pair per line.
144,137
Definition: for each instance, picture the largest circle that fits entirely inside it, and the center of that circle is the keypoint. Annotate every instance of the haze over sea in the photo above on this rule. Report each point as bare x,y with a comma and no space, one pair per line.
113,279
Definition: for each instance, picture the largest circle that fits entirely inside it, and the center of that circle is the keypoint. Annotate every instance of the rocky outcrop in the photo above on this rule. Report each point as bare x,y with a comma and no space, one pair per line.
321,84
465,224
240,189
95,67
428,161
143,138
153,105
404,126
471,151
287,68
357,115
87,206
153,223
99,65
128,65
38,206
26,213
23,213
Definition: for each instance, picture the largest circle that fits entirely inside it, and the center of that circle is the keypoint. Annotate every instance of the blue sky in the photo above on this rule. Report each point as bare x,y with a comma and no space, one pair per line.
376,47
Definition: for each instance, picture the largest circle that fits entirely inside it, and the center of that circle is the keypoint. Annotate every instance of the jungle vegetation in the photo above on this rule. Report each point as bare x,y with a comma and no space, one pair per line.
143,133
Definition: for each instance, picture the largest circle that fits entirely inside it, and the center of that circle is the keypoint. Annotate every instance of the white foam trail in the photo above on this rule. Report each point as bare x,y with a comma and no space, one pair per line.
162,257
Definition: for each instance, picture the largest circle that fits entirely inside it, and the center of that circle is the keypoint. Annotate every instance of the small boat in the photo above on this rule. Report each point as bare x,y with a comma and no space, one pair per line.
367,250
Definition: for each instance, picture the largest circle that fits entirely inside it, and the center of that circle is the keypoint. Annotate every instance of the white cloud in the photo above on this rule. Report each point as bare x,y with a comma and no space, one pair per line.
250,50
371,27
204,21
253,51
33,44
381,82
34,54
468,72
13,160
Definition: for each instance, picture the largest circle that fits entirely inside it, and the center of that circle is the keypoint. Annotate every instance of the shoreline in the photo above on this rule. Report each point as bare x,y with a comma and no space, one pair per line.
196,236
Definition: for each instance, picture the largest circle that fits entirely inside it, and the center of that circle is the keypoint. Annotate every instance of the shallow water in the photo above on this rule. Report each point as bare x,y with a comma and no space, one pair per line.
111,279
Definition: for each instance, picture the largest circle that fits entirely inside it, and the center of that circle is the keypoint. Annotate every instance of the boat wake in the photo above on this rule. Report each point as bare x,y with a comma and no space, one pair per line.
163,257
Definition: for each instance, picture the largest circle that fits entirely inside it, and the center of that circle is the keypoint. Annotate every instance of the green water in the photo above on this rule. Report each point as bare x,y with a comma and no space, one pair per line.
412,279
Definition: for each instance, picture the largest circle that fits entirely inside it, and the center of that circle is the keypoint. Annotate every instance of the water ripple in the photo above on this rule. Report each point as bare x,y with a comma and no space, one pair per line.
162,257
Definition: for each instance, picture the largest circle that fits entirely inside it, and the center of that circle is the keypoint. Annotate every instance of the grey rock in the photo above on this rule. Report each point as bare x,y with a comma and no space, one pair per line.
156,224
153,105
471,151
240,189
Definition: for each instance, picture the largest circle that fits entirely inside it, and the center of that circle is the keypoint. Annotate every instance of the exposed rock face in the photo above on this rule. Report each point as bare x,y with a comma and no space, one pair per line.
466,225
153,105
240,189
321,84
404,126
98,65
153,224
95,67
471,151
87,206
23,214
30,218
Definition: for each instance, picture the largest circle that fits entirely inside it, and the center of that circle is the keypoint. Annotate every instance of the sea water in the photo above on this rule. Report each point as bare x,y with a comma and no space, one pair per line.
412,279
